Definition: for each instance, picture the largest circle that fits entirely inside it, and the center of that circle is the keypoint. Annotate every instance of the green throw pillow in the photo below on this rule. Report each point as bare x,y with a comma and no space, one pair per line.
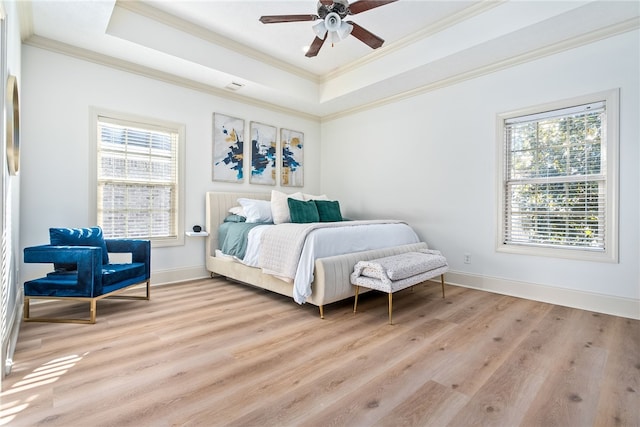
235,218
328,210
303,212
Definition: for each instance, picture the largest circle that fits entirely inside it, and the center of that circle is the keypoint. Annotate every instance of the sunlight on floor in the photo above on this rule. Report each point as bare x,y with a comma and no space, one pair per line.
46,374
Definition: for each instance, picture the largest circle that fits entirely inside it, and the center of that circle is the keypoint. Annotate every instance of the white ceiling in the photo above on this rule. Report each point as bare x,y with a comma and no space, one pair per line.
209,44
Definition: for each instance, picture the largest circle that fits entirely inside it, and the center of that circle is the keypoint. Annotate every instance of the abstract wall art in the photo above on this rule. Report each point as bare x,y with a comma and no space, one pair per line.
263,154
292,167
228,148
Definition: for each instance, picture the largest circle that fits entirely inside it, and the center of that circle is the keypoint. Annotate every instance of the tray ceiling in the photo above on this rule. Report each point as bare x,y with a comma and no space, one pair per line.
221,47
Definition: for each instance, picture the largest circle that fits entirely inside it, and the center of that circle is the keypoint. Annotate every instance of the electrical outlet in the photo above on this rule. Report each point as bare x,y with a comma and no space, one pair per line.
467,258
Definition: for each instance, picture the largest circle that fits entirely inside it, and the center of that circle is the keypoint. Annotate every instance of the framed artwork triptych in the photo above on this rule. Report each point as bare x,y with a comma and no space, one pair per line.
264,157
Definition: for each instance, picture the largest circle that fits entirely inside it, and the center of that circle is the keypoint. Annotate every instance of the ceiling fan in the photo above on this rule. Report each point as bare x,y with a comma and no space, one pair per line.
333,26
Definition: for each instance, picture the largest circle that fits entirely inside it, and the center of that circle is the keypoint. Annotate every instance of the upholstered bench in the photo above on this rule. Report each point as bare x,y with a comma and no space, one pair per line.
397,272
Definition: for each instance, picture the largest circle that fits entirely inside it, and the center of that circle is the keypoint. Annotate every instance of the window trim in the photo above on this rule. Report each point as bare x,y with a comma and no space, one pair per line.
610,254
94,114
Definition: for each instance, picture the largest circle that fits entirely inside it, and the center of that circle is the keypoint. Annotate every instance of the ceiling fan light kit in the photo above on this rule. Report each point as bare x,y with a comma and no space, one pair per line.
332,25
320,29
343,31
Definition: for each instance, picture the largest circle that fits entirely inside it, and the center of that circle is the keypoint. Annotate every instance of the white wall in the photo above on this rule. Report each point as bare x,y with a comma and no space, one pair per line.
10,188
431,160
57,93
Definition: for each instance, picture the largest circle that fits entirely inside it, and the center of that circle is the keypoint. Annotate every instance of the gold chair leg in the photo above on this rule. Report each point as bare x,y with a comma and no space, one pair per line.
321,311
442,281
93,310
390,307
92,306
25,312
92,315
146,296
355,302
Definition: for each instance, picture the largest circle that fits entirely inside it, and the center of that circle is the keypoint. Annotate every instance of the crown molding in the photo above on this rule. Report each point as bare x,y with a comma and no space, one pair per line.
571,43
120,64
443,24
25,17
158,15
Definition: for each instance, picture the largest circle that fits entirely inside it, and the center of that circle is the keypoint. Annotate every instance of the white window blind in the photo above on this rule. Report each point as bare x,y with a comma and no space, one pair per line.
137,177
555,179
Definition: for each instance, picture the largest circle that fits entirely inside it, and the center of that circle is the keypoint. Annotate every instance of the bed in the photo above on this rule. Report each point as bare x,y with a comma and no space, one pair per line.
329,274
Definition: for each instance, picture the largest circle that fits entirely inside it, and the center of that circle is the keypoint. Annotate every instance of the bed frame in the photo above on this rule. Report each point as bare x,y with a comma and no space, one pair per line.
331,276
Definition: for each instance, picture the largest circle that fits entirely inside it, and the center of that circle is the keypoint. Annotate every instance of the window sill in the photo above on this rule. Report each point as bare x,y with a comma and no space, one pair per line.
574,254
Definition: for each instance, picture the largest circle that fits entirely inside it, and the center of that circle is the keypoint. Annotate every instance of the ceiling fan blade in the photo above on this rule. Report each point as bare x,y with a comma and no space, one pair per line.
326,2
314,48
365,36
364,5
274,19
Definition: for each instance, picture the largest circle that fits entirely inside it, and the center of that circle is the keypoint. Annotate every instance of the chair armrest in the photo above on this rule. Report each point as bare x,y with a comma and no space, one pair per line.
88,260
140,251
61,254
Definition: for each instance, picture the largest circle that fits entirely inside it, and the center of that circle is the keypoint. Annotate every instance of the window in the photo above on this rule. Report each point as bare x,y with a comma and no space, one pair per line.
138,178
558,179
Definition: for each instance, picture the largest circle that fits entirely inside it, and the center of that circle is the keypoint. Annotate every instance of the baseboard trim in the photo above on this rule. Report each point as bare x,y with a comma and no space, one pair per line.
607,304
12,338
166,277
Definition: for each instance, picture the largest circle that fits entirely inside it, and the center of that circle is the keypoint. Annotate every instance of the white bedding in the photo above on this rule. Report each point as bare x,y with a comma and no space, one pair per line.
252,253
330,241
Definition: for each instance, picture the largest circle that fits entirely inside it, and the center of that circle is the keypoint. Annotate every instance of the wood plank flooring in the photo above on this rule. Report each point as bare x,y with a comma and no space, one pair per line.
217,353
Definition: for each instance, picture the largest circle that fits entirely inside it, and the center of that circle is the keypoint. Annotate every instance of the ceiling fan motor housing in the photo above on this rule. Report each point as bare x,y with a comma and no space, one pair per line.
339,7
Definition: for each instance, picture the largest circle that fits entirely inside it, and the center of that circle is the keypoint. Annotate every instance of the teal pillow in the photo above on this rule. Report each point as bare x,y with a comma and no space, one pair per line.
78,237
303,212
328,210
235,218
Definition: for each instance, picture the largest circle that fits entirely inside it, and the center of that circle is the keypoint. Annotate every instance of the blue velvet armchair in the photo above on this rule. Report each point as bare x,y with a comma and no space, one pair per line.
82,270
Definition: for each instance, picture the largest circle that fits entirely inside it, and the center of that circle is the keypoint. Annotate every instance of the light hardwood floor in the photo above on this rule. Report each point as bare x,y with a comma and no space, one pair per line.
212,352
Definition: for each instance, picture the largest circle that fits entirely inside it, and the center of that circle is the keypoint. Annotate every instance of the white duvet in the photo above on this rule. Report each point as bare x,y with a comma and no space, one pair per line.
330,241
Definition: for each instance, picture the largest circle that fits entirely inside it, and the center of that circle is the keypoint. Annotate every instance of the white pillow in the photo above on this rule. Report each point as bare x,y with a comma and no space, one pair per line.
280,206
308,197
256,210
237,210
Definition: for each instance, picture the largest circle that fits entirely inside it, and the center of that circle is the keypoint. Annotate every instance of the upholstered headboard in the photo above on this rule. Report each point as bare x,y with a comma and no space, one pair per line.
217,209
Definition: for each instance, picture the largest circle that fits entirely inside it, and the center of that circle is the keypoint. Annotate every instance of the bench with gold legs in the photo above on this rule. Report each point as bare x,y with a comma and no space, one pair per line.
397,272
